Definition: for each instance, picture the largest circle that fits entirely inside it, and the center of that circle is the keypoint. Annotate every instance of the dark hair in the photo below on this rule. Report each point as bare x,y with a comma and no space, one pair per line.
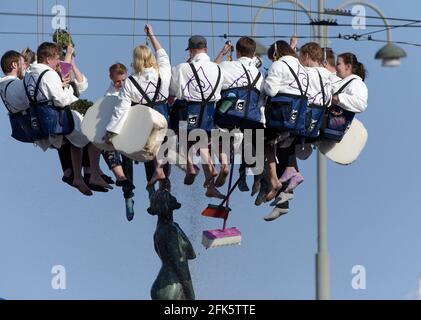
8,59
329,56
246,47
313,50
118,68
282,49
47,50
357,67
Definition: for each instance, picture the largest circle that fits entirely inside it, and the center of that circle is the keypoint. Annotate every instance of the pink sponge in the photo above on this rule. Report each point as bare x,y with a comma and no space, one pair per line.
220,237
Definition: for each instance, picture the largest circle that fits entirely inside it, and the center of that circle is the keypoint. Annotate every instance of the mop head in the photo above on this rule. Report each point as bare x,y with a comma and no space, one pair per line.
218,237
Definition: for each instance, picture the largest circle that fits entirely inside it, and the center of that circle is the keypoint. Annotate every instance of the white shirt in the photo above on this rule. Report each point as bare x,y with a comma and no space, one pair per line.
148,82
16,98
315,90
234,75
184,85
354,98
50,87
281,80
112,91
83,85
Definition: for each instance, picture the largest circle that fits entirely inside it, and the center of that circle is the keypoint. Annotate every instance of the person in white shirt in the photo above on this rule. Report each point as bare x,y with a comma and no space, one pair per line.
280,80
235,76
11,85
188,92
354,97
53,88
150,70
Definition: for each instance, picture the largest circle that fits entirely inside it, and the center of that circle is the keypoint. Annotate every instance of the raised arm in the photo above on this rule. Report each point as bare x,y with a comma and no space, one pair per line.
154,41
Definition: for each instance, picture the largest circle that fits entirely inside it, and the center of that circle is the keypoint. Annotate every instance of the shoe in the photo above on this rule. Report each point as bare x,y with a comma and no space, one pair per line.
242,185
125,183
107,179
278,211
91,186
281,198
129,209
288,174
68,180
295,182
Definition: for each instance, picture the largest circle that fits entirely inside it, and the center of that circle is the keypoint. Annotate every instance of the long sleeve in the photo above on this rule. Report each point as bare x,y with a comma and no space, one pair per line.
175,87
355,97
121,110
272,83
164,64
83,85
51,84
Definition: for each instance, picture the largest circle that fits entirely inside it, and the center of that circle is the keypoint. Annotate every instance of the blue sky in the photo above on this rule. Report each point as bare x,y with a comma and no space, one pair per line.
374,207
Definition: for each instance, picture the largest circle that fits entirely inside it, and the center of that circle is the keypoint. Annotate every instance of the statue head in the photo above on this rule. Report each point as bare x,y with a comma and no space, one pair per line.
163,203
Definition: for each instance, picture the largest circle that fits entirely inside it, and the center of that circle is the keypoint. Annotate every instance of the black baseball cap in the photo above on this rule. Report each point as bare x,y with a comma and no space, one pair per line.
197,42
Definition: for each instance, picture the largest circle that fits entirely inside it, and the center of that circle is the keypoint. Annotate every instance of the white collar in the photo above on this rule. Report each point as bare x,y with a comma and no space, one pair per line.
201,57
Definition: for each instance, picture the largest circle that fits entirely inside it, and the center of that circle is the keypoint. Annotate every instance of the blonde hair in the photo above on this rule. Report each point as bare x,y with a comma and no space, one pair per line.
144,58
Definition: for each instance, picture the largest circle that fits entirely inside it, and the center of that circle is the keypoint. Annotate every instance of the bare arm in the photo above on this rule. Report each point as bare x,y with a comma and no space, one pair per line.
154,41
225,50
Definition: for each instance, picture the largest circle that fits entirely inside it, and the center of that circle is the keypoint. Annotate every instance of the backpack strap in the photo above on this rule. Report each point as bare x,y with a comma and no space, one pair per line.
5,96
297,80
323,89
250,87
33,100
343,87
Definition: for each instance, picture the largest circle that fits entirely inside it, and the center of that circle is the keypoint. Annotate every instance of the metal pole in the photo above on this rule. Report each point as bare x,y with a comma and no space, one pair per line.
322,256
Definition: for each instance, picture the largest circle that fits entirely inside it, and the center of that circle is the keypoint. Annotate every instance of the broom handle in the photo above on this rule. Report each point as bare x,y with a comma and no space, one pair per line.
232,189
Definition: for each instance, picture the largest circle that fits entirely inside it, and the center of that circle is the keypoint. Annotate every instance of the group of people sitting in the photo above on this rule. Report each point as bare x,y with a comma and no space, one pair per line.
302,94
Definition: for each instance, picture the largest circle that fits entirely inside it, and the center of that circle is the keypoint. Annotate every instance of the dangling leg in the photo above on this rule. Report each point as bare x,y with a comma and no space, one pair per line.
66,163
78,182
192,169
292,166
95,177
276,185
210,174
223,173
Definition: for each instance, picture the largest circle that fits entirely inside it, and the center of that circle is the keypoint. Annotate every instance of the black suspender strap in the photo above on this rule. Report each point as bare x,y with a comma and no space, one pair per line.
250,87
205,101
33,100
297,80
343,87
323,89
139,88
5,96
149,102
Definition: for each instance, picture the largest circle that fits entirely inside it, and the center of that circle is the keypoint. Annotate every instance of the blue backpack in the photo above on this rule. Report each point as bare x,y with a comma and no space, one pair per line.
287,112
198,115
337,120
239,107
20,122
315,115
160,106
46,118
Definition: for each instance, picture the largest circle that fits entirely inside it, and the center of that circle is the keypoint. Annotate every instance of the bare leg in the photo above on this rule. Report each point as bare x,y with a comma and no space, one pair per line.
95,178
192,170
276,185
78,182
158,174
223,174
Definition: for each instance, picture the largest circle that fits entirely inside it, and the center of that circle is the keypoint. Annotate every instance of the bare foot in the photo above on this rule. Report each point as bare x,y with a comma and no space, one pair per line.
220,181
212,192
98,181
82,187
158,175
276,186
210,180
191,174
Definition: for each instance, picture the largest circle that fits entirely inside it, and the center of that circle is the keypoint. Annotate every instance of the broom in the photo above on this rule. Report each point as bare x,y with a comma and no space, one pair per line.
225,236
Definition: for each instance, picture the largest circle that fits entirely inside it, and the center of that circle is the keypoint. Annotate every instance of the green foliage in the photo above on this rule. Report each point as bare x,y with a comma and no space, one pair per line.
81,106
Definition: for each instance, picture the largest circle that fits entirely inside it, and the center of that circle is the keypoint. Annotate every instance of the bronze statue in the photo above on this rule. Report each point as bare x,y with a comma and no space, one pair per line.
173,248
